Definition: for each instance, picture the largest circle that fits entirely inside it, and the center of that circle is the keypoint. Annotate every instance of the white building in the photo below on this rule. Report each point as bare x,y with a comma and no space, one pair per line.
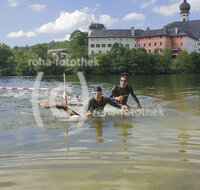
101,41
63,52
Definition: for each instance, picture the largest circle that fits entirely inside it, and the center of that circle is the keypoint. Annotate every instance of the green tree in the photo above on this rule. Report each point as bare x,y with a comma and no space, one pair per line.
183,64
141,61
77,46
168,26
7,64
104,63
163,62
81,37
116,55
23,60
196,61
41,51
99,26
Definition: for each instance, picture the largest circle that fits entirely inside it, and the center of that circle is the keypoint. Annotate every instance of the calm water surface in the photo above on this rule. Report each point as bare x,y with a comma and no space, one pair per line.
117,152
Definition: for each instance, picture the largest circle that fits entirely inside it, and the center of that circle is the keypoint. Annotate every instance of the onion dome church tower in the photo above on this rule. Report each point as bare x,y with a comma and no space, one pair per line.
185,8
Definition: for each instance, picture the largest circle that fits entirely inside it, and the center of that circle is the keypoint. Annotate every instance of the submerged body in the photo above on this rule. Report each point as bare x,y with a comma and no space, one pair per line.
99,105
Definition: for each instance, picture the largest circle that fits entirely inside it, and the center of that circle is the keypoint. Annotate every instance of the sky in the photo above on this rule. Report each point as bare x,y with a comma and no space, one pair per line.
29,22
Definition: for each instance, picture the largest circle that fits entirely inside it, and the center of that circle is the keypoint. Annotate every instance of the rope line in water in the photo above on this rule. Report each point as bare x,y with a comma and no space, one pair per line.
14,88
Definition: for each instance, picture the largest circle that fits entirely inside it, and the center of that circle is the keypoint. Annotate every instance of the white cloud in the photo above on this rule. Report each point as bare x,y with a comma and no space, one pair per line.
21,34
62,39
107,20
134,16
37,7
18,34
67,22
146,4
167,10
13,3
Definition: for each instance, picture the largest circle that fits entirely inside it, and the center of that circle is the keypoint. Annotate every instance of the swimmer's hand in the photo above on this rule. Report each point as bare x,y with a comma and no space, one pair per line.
124,106
89,114
120,98
45,106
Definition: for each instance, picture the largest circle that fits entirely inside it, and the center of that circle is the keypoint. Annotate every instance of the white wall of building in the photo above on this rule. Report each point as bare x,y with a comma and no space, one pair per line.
192,45
104,44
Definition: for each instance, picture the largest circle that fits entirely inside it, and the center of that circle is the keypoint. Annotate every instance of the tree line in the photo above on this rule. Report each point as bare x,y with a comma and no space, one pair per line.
120,60
137,61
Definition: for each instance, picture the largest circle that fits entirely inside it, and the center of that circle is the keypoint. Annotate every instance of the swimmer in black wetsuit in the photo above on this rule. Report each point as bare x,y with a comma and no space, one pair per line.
99,102
120,93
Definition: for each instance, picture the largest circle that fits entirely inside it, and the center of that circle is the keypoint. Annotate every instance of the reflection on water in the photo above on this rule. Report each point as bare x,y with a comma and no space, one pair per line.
117,152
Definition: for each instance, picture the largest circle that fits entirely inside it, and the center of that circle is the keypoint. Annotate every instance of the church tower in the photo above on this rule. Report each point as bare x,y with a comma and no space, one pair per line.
185,11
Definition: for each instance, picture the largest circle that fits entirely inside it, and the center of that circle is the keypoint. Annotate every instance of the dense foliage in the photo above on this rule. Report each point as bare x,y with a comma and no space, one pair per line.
137,61
120,60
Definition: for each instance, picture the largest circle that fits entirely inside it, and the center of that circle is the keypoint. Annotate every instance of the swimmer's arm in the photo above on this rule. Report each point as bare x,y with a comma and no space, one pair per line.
48,106
113,95
90,109
115,104
136,99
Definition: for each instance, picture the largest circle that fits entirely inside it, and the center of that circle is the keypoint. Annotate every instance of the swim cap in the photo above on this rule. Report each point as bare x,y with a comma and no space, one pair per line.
97,89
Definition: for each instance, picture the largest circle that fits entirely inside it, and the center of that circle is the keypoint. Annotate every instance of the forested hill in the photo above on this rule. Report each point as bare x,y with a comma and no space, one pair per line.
51,45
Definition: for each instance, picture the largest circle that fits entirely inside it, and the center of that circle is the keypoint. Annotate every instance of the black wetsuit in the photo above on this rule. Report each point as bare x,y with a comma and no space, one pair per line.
95,105
119,91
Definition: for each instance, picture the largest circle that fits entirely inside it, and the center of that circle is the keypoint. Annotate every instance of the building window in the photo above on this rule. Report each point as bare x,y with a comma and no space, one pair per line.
149,37
92,52
121,45
127,45
139,45
109,45
103,45
149,44
181,37
181,43
161,43
100,51
92,46
149,51
98,45
160,36
160,50
107,51
155,44
144,44
135,45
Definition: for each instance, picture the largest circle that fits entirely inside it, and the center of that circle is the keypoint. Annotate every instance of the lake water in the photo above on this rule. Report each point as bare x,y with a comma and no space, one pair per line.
137,151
